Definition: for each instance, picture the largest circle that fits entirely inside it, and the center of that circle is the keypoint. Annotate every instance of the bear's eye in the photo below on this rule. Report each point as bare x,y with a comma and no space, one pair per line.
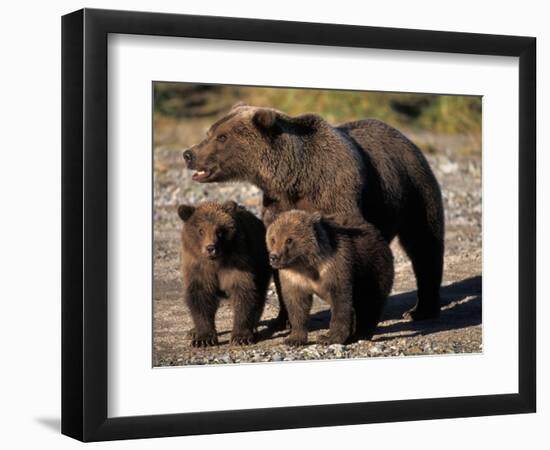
289,241
201,232
272,241
222,138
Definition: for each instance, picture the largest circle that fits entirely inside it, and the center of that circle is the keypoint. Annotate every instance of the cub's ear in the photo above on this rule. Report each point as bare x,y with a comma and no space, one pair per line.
265,118
320,226
185,211
230,206
316,217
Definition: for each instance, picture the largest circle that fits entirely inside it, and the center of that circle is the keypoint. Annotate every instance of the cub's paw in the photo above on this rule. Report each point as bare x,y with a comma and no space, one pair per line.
295,340
329,339
207,340
243,338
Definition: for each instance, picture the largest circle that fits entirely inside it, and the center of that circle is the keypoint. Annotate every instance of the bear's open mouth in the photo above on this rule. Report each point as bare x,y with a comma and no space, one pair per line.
201,175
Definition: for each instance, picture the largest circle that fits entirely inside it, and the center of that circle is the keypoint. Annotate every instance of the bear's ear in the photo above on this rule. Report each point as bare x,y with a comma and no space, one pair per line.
320,226
265,118
185,211
316,217
230,206
238,105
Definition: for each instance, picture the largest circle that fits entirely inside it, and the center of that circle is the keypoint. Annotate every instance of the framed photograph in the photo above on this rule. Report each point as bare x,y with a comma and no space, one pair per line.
273,225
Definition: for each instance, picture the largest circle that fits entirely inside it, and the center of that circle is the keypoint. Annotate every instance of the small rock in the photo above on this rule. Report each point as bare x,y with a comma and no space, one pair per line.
448,167
226,359
375,350
336,347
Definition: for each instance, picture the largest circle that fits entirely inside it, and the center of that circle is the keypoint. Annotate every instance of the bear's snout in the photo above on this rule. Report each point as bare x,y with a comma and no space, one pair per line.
212,251
277,260
188,157
273,258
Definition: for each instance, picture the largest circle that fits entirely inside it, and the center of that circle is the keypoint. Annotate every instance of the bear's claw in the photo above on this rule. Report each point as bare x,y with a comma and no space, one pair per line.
243,339
207,341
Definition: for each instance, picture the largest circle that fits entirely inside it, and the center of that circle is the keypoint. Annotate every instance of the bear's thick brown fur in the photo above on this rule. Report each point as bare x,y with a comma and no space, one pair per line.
364,169
351,267
223,256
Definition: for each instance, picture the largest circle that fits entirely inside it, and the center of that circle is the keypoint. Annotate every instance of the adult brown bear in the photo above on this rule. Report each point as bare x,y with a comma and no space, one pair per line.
362,169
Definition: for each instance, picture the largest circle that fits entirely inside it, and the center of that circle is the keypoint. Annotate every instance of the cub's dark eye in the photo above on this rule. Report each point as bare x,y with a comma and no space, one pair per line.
222,138
201,232
289,241
272,241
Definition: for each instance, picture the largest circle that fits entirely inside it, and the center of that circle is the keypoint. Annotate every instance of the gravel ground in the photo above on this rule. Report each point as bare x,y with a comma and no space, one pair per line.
457,330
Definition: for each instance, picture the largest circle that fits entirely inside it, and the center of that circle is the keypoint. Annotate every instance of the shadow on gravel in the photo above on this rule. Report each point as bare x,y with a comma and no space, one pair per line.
460,308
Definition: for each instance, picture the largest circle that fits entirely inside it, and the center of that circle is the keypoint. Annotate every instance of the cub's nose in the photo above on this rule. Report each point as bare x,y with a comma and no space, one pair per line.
273,258
188,156
211,249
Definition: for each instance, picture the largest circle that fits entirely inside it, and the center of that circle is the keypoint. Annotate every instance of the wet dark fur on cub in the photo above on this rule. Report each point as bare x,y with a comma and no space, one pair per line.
364,169
350,266
223,256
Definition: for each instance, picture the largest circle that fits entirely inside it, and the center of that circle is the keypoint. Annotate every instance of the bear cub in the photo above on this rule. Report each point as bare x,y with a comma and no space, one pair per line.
223,256
348,265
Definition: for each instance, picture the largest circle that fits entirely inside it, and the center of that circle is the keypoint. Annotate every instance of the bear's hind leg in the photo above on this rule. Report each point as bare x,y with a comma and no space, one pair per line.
425,247
368,312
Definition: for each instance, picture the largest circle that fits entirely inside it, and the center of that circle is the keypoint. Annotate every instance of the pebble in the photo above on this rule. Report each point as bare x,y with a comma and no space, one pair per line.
336,347
375,350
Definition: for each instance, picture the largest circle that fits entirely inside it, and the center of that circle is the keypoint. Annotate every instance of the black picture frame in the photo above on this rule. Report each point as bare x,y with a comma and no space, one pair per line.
84,224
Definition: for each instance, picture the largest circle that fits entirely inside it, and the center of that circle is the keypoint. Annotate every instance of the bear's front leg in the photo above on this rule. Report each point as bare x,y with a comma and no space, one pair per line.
202,306
298,303
248,305
271,209
341,319
280,322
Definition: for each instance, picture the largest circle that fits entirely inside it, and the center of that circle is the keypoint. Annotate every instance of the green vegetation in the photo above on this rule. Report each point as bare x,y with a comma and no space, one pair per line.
429,113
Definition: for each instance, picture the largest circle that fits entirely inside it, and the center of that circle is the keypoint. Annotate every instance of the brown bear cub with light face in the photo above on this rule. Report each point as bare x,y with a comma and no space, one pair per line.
350,266
223,256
